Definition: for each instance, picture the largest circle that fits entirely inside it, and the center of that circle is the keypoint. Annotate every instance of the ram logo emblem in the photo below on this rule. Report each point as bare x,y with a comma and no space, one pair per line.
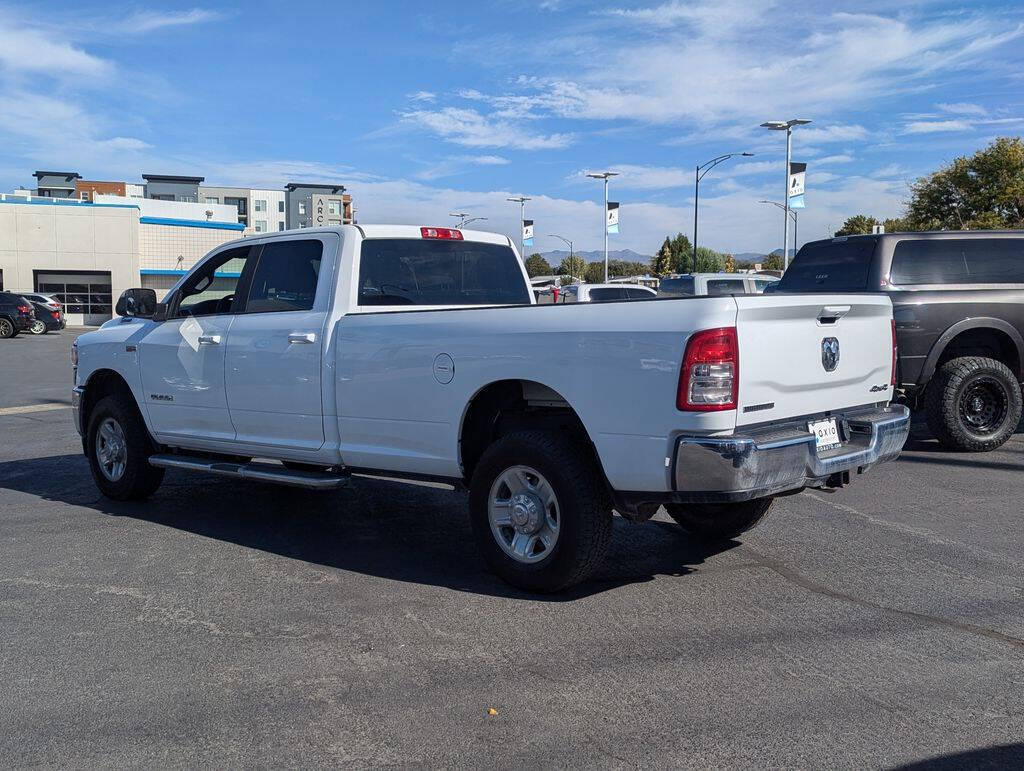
830,353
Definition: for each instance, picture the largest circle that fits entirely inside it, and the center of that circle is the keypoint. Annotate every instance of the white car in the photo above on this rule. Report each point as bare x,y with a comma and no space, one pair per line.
596,293
419,352
712,284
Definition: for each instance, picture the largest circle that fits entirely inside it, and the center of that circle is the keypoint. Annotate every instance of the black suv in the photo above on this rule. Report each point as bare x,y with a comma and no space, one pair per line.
958,301
16,314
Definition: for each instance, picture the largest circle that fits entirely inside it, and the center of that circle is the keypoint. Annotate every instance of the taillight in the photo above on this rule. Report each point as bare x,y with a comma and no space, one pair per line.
449,234
710,376
24,309
892,377
55,314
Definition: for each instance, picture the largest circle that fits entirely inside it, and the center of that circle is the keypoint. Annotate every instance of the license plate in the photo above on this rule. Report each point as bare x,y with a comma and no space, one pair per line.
826,434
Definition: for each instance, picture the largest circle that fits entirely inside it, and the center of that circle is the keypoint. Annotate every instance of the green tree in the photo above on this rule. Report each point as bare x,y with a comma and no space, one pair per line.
709,261
858,224
772,262
982,192
594,273
537,266
661,263
572,265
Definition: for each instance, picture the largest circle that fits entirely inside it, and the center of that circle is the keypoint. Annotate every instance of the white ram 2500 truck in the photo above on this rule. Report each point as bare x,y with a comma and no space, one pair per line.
306,356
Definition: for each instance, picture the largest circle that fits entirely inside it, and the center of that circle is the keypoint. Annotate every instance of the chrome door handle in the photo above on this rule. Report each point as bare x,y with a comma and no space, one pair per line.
302,337
209,339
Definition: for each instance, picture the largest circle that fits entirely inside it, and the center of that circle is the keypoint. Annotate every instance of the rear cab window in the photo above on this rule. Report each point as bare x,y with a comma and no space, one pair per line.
830,266
424,272
676,287
724,286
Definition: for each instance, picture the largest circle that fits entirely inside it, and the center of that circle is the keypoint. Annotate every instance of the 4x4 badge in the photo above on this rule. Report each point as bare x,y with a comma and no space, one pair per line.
829,353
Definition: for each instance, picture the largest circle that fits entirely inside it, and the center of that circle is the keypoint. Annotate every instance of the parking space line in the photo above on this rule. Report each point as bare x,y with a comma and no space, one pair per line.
33,408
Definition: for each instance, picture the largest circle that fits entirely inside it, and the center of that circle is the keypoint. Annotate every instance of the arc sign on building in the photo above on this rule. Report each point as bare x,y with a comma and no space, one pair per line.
319,211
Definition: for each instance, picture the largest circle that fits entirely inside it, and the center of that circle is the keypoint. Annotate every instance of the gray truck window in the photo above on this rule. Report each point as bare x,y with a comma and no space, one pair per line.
720,286
959,261
676,287
410,271
830,266
638,294
285,277
211,289
605,294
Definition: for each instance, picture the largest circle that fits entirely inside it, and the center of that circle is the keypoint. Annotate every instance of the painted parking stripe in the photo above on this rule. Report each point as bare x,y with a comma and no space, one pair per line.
33,408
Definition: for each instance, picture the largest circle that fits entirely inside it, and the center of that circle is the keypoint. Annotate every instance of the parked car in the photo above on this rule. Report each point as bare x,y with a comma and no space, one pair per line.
16,314
701,284
596,293
48,319
420,353
48,300
958,300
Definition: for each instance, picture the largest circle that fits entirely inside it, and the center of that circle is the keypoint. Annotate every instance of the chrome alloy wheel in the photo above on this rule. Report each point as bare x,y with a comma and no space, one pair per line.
37,328
524,515
111,449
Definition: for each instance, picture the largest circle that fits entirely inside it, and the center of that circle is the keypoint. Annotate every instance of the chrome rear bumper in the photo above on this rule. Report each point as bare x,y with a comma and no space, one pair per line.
772,461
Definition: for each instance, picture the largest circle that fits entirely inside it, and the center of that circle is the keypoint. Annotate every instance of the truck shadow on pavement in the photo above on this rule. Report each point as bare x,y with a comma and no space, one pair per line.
375,527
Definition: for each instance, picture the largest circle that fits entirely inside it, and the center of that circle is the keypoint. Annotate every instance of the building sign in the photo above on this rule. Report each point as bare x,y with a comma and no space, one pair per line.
612,217
797,172
319,211
527,232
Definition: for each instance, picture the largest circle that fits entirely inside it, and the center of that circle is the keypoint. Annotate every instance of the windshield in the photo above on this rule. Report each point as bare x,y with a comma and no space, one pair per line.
412,271
830,266
676,287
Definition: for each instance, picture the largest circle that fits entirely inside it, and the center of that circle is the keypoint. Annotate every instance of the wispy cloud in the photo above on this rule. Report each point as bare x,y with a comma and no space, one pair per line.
935,126
962,108
422,96
149,21
469,128
25,49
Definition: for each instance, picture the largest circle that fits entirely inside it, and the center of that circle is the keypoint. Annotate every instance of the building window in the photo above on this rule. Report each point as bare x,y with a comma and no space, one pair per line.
280,207
84,195
302,207
259,204
261,226
333,222
280,226
187,198
334,207
211,199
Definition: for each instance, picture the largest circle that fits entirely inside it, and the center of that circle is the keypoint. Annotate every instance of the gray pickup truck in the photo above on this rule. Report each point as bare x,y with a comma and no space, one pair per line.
958,303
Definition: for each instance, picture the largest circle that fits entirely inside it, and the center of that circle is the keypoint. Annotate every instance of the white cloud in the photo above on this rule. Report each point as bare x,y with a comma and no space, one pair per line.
962,108
830,133
458,164
934,126
24,49
422,96
638,177
470,128
841,158
149,21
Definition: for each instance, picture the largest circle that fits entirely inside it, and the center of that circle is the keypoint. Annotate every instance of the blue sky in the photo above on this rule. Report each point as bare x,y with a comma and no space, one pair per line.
426,108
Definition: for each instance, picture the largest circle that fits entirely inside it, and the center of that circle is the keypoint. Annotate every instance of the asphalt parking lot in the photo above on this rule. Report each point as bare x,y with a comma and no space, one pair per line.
228,623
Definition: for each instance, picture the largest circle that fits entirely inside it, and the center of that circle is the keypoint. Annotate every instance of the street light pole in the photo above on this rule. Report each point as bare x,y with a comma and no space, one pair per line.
792,213
787,126
521,200
569,242
698,175
604,215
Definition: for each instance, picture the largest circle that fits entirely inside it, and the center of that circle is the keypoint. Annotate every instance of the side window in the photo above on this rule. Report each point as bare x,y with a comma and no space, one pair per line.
285,277
605,294
959,261
722,286
211,289
638,294
760,284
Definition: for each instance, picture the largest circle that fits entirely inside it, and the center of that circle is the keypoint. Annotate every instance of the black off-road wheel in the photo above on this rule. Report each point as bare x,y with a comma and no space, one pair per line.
973,404
714,522
118,447
540,511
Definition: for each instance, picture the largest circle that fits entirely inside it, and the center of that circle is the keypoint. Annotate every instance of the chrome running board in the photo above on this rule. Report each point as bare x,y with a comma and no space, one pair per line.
261,472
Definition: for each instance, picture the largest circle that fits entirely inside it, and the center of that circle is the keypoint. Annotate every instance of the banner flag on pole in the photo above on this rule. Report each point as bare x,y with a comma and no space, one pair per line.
612,221
797,173
527,232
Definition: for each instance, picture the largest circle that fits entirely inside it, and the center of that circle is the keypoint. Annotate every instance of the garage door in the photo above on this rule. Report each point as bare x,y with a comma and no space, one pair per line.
85,295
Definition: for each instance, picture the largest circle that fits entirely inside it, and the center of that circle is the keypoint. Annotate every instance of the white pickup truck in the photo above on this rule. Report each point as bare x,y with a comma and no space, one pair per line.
305,357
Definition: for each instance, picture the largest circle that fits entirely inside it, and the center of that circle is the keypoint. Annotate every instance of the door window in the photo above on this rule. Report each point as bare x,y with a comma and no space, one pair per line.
286,276
211,289
638,294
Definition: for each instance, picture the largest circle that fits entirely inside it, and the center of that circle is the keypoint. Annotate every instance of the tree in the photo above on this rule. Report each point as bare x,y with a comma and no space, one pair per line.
594,273
772,262
858,224
572,265
537,266
661,263
682,253
730,264
982,192
709,261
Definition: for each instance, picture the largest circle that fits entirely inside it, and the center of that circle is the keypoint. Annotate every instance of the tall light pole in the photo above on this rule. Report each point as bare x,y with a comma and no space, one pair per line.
566,240
793,214
787,126
521,200
604,215
698,175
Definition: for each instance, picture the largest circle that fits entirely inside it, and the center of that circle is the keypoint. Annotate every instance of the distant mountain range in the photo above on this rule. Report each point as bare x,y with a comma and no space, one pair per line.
558,255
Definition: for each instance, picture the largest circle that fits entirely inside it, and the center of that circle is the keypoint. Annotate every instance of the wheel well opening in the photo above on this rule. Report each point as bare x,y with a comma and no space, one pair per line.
515,405
983,341
103,383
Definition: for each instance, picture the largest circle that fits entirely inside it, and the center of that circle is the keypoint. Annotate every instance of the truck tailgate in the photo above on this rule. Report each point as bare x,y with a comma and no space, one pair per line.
785,370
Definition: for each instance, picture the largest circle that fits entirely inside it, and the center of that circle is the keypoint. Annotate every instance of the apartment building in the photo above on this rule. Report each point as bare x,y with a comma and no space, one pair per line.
316,205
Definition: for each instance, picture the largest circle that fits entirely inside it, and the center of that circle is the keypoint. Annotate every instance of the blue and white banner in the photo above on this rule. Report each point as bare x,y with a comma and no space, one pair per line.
797,174
527,232
612,218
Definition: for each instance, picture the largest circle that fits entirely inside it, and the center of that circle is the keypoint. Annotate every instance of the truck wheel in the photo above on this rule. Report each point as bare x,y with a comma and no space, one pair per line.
118,447
7,328
719,521
973,403
540,511
37,328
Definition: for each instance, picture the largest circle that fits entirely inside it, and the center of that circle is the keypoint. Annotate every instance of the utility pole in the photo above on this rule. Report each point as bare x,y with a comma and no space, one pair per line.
604,214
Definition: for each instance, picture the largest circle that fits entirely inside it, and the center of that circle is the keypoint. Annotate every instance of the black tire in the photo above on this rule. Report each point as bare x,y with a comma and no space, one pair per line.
37,328
719,521
973,404
584,509
7,329
138,480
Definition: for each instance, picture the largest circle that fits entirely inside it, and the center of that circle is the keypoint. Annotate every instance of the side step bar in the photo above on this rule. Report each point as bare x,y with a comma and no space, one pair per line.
262,472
